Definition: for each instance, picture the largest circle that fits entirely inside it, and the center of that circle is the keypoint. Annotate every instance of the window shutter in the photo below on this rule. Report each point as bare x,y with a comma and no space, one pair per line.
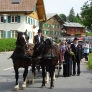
35,8
46,32
29,34
18,19
31,21
9,34
4,34
45,25
28,20
9,19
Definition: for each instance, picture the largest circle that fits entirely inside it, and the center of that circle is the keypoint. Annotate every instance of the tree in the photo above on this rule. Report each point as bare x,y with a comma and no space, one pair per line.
78,16
86,13
71,16
63,17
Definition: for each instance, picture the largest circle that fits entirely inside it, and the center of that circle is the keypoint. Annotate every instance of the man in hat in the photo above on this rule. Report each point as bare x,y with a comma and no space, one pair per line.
38,38
77,49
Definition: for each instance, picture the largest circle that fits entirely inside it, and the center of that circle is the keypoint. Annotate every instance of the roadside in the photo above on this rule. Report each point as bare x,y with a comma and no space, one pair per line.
6,52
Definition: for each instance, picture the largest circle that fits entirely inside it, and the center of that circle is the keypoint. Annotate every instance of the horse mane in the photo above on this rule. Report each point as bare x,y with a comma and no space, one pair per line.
48,41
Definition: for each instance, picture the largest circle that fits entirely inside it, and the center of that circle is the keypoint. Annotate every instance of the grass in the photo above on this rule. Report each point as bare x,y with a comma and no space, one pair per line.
90,61
7,44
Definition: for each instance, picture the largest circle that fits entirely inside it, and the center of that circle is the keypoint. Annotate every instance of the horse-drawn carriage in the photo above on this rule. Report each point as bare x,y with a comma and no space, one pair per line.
26,55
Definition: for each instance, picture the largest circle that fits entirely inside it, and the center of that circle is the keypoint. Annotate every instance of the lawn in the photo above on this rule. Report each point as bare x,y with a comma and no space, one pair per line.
90,61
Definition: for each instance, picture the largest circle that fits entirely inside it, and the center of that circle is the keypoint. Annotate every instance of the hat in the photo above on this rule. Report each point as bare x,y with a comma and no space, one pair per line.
39,30
75,38
69,42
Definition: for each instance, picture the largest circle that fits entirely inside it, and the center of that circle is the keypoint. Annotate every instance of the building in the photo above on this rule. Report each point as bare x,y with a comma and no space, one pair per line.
19,15
73,29
52,27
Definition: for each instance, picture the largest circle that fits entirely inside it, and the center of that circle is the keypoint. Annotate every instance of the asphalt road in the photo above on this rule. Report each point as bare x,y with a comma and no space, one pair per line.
82,83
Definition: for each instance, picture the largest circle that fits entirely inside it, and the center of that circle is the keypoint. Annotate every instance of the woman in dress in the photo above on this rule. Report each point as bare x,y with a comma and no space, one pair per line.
67,66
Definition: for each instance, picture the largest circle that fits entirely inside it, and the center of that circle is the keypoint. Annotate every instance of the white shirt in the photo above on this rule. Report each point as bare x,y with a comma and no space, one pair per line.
86,49
39,38
76,45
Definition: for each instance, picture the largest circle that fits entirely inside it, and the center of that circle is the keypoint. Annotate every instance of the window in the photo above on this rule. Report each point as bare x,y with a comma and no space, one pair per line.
44,32
48,25
1,33
15,1
14,33
45,25
1,19
14,18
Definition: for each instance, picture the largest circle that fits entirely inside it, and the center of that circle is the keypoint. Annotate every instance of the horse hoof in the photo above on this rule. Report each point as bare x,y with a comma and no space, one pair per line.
16,88
51,87
43,86
23,87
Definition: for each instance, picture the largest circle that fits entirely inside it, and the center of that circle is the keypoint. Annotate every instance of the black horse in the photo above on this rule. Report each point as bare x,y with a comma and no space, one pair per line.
21,57
49,56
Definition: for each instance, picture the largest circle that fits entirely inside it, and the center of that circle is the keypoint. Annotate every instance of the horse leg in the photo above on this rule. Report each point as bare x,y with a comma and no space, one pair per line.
43,76
54,78
47,75
16,88
24,78
33,72
52,70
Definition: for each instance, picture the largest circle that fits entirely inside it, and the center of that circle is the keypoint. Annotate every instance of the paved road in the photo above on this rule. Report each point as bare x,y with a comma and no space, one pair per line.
82,83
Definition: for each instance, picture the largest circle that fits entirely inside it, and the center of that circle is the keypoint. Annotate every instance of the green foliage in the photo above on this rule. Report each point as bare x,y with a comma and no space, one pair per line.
7,44
71,16
88,33
63,17
90,61
86,13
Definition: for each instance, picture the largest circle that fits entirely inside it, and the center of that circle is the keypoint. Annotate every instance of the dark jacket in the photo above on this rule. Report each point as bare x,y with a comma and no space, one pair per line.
36,39
67,55
78,51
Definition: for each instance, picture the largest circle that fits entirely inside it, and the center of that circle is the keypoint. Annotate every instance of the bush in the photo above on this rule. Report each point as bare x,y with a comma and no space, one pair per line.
90,61
7,44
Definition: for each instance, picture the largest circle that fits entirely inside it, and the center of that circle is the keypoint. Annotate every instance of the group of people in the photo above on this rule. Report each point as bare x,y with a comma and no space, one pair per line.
70,54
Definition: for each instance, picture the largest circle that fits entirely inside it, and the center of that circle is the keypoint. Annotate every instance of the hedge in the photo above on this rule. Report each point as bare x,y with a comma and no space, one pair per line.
90,61
7,44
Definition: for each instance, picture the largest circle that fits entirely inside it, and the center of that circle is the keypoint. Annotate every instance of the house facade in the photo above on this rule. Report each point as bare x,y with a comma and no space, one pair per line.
20,15
52,27
73,29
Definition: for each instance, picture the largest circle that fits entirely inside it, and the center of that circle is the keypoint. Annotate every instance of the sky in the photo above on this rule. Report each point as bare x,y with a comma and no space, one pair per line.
63,6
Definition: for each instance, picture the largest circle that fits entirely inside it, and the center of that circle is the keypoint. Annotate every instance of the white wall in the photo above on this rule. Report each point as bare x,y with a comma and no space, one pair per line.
22,26
13,26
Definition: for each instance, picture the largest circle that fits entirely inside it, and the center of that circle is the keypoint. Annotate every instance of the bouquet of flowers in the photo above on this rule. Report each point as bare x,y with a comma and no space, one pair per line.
72,53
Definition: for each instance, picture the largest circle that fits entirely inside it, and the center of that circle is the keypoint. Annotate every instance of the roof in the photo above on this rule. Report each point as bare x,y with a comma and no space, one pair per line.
72,24
22,6
50,15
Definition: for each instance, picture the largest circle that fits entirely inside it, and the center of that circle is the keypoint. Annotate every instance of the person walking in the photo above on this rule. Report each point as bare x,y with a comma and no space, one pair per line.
77,49
67,66
86,50
62,50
